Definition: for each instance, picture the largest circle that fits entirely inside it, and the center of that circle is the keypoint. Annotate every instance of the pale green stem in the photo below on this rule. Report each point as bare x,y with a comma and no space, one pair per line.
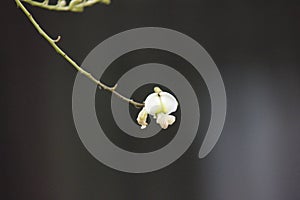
73,63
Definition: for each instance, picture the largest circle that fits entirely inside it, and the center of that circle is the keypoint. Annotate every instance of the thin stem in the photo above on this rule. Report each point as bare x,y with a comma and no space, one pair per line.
53,42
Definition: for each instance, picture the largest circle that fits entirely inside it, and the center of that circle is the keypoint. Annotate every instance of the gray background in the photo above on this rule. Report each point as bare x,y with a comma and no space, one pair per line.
255,46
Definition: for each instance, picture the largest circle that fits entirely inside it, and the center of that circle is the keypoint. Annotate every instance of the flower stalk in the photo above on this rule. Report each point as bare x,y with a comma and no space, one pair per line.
75,6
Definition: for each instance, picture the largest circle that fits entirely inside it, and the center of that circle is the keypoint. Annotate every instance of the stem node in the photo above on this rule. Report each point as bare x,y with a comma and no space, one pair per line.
57,39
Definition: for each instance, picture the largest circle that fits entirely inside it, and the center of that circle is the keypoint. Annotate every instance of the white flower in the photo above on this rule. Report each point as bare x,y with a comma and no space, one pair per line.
160,105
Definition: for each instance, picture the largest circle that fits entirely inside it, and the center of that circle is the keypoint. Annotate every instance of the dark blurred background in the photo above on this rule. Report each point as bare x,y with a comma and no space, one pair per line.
256,47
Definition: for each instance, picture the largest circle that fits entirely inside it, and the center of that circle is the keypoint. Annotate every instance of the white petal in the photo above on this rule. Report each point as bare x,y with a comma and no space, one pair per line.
169,102
153,104
164,120
162,102
142,118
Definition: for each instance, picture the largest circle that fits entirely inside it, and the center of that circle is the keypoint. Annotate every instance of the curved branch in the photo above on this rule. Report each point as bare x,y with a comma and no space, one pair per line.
74,5
72,62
